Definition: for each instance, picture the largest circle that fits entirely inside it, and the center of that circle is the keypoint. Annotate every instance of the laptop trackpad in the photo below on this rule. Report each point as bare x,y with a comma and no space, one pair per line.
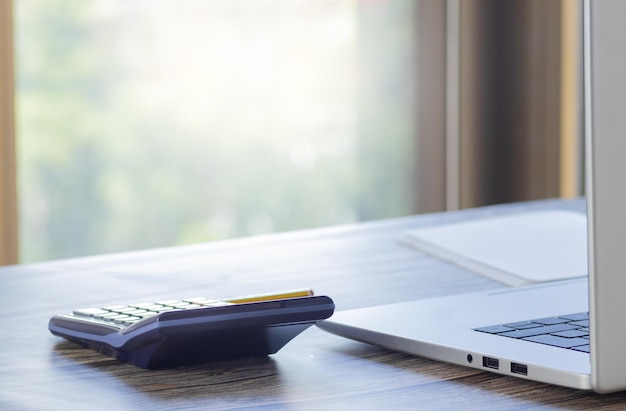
524,248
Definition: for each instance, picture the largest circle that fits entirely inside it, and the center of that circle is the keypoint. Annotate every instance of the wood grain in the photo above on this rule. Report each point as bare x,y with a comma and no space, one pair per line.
358,265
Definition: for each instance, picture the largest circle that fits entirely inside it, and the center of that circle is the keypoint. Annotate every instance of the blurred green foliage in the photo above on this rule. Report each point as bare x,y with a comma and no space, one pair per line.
156,123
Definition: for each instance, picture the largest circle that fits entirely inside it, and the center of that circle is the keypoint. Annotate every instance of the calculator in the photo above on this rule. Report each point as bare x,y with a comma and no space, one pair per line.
171,333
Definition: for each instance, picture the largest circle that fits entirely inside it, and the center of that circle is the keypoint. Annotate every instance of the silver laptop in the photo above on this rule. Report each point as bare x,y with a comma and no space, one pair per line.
584,320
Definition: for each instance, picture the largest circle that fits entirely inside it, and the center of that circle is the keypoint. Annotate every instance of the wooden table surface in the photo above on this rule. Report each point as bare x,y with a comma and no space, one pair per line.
357,265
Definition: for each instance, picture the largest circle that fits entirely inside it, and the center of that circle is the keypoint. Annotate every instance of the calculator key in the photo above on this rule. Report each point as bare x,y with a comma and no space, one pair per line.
126,310
168,302
208,302
141,306
89,312
129,321
197,300
217,304
180,305
193,306
108,314
114,307
135,312
158,308
120,319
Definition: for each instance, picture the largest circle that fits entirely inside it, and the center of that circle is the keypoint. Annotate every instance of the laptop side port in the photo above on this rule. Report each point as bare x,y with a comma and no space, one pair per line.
521,369
492,363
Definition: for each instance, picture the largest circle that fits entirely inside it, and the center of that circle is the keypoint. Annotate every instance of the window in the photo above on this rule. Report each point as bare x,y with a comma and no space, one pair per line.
145,123
157,123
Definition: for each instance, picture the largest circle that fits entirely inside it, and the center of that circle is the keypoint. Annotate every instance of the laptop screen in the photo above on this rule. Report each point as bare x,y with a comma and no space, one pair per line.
605,126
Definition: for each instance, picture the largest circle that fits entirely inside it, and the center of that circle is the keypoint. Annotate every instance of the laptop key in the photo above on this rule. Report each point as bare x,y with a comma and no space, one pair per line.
522,325
494,329
570,331
572,334
551,320
537,331
558,341
581,348
576,317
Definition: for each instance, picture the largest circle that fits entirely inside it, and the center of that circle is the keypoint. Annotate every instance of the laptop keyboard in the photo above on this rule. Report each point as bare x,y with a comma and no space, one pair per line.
565,331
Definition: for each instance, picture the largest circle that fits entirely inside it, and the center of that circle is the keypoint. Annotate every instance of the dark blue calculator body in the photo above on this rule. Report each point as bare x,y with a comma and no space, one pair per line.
178,332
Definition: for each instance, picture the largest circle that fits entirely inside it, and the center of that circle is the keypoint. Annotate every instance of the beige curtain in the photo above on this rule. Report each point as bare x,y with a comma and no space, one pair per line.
516,99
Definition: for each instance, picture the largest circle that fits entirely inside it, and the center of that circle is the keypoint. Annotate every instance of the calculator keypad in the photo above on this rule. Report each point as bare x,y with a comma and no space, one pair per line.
126,315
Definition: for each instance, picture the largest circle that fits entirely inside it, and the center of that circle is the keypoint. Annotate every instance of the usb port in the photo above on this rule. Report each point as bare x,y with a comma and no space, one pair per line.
521,369
491,363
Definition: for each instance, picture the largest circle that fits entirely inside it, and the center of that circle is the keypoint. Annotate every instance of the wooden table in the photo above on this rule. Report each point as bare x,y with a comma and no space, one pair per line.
357,265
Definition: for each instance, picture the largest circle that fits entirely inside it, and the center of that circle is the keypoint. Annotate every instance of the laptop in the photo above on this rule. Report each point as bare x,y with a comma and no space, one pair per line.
498,331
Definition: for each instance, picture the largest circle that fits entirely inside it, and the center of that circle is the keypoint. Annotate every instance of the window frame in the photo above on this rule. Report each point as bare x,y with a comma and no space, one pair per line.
8,176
